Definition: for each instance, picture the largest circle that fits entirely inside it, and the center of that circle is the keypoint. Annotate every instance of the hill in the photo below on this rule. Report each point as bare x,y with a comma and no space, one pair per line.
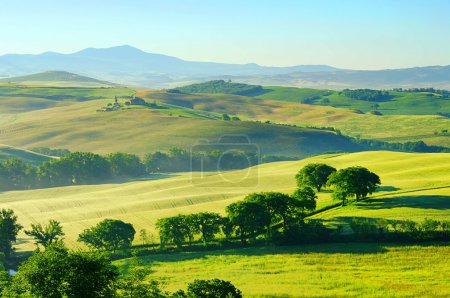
285,107
57,78
218,86
409,177
22,154
128,65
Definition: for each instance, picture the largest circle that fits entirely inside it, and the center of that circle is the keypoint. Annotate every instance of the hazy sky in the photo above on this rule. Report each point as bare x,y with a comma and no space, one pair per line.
350,34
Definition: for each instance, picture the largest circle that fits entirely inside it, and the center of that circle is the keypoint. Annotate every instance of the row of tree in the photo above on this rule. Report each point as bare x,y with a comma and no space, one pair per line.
367,94
88,168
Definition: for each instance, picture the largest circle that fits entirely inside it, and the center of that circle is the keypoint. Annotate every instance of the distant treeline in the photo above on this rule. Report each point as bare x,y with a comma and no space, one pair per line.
444,93
50,152
367,94
219,86
418,146
89,168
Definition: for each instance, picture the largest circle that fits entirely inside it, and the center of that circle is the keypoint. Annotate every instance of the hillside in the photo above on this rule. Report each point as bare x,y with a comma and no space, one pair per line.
285,108
57,78
22,154
408,177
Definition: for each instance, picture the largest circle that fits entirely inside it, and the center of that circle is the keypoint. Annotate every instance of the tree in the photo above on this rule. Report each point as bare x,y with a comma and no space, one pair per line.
305,199
208,225
74,168
124,164
156,162
46,235
314,175
57,272
353,181
109,234
250,218
213,288
9,228
171,230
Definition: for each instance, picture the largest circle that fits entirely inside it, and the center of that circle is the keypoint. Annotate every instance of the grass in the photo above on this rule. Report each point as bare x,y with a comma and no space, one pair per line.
391,128
411,177
402,103
325,270
78,126
22,154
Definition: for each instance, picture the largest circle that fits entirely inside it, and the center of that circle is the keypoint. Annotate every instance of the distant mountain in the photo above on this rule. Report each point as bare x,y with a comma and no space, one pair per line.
128,65
57,77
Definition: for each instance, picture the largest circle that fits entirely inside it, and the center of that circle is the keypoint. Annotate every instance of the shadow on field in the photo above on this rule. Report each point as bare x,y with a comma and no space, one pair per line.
422,202
387,188
325,248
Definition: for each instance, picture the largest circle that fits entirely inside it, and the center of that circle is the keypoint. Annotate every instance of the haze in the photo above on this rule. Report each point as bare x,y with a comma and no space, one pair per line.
345,34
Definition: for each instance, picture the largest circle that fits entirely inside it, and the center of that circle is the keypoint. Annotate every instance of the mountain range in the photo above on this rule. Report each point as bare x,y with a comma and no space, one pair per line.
129,65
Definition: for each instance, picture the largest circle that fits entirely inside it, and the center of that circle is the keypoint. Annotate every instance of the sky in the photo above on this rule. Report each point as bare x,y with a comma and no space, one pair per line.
354,34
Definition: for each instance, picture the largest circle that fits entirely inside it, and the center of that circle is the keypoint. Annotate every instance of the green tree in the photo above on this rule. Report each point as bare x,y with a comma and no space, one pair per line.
109,234
171,230
57,273
46,235
314,175
124,164
305,199
353,181
9,228
249,218
208,224
213,288
74,168
156,162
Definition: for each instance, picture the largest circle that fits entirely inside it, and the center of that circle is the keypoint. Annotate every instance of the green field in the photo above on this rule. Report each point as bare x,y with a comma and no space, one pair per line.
22,154
77,126
391,128
419,181
325,270
56,79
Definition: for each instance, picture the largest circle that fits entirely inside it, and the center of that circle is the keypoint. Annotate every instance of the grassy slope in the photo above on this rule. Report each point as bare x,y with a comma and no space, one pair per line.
326,270
22,154
393,128
402,103
143,202
57,78
139,130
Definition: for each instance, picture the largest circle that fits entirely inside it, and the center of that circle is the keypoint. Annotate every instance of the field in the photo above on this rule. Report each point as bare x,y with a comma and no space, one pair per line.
22,154
414,186
77,126
326,270
391,128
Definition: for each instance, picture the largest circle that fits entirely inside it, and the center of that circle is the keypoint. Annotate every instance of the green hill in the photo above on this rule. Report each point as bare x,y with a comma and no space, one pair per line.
22,154
414,186
57,78
219,86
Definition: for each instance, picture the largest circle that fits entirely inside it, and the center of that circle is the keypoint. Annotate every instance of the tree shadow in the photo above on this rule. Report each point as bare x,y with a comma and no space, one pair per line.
324,248
387,188
424,202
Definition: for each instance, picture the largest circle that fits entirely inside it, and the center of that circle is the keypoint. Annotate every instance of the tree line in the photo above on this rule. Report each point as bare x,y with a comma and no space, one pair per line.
88,168
367,94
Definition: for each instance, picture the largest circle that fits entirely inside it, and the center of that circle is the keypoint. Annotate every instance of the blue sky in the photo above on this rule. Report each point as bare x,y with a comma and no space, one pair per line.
346,33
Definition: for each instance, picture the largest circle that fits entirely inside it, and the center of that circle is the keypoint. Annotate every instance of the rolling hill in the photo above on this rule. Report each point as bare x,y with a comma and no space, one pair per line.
128,65
22,154
414,186
57,78
285,108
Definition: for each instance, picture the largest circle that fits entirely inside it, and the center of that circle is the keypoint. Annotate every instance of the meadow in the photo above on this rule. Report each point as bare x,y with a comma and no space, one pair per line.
286,108
420,180
325,270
